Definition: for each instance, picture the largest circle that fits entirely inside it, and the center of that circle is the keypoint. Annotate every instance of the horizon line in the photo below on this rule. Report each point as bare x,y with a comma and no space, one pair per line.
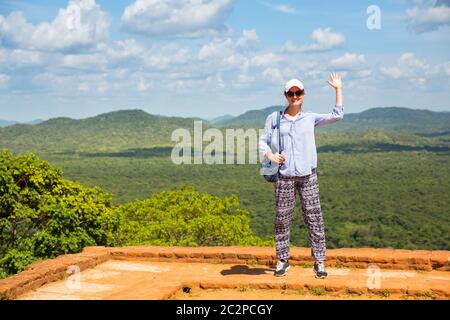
187,117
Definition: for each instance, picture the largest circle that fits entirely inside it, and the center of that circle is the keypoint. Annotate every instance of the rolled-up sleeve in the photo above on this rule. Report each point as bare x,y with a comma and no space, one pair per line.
327,118
264,138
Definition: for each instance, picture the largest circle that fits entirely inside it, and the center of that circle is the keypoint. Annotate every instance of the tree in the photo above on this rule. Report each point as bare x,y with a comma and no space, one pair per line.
43,215
185,217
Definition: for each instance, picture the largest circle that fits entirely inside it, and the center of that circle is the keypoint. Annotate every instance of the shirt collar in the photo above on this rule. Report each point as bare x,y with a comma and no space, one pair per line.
298,116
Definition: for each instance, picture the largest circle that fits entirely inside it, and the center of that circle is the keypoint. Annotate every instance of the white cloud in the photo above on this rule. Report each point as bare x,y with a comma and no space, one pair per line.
415,70
102,87
423,18
26,58
349,61
324,40
143,85
215,82
83,87
216,49
124,50
233,61
3,54
177,18
274,75
227,54
228,48
446,68
392,72
85,61
244,78
265,60
409,60
4,79
283,8
418,82
290,47
48,79
15,31
69,67
166,57
408,65
70,84
81,25
249,39
364,73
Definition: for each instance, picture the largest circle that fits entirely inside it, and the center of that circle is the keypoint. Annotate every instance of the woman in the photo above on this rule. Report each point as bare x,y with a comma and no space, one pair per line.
298,163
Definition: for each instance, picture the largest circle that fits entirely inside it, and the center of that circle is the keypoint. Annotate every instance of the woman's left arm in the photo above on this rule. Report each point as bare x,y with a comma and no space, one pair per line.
338,111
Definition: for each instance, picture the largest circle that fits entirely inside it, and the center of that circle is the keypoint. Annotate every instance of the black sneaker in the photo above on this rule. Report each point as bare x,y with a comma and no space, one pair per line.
319,270
282,268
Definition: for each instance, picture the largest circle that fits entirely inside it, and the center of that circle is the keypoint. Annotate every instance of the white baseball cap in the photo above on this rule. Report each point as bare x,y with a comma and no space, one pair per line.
293,83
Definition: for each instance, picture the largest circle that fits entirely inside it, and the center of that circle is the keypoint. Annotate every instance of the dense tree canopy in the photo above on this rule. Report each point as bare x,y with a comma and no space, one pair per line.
185,218
43,215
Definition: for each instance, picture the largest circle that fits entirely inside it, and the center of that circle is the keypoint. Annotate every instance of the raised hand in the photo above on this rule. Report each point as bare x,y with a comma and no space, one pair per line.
335,80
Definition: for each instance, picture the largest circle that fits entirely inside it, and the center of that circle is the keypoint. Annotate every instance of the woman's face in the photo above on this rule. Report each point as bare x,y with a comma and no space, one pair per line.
295,100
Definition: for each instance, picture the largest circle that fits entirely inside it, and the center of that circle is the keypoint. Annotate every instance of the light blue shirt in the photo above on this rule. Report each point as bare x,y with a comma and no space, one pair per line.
297,140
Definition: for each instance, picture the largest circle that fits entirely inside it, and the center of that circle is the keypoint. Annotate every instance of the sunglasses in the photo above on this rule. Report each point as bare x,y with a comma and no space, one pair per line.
290,94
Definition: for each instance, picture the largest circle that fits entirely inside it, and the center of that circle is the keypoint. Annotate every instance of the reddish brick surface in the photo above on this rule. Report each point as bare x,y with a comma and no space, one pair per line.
383,256
440,260
420,258
43,272
402,256
355,285
418,288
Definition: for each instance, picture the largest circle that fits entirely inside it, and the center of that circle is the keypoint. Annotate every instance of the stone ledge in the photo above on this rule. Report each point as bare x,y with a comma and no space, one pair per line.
42,272
353,258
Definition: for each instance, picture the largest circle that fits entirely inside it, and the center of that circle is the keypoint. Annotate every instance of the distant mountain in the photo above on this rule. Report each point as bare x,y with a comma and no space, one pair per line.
37,121
388,118
395,119
252,118
5,123
221,119
120,130
136,129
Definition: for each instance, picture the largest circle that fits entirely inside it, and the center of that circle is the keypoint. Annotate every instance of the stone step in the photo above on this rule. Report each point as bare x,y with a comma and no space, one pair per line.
349,269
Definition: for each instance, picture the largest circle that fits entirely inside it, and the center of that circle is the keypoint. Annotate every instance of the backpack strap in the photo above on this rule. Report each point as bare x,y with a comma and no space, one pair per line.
277,127
279,133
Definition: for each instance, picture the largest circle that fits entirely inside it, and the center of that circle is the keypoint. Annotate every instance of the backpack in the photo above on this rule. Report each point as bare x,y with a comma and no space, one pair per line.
268,170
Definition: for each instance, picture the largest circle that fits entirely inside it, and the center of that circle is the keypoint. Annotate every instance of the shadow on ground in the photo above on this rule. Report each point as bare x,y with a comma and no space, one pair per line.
243,269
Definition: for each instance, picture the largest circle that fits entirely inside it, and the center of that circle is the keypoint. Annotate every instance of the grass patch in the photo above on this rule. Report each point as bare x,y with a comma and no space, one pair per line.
385,293
305,265
318,291
241,288
352,292
428,294
192,294
301,291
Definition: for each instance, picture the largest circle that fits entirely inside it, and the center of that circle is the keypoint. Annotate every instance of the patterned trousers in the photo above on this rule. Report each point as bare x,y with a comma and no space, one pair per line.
308,189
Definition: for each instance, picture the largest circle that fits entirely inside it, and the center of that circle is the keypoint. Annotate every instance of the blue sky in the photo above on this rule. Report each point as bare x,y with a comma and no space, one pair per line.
207,58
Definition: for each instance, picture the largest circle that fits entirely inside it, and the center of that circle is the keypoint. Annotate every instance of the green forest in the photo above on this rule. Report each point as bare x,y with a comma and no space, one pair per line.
110,180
